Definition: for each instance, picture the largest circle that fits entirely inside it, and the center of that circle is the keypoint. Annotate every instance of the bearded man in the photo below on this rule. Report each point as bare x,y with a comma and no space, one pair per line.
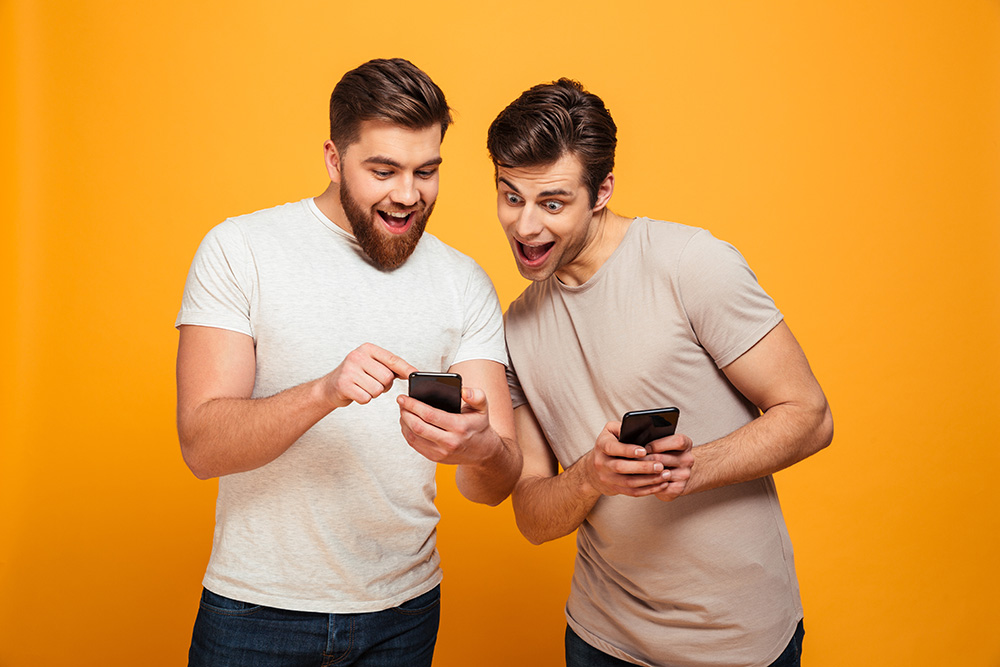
295,323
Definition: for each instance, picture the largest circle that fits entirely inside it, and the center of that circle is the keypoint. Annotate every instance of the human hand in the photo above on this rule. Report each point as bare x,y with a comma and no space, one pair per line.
365,373
445,437
674,452
618,468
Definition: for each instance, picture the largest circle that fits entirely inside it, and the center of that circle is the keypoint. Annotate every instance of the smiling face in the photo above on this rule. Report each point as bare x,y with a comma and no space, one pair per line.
388,182
549,221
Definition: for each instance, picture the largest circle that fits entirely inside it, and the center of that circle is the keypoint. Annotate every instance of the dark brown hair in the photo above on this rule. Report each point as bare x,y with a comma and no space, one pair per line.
549,120
396,91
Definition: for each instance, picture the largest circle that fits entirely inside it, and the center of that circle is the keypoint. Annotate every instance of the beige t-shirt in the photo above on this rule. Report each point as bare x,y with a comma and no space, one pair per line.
707,579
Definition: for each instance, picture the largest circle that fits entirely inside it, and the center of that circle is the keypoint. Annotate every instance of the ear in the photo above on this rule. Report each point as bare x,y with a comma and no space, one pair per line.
604,192
331,157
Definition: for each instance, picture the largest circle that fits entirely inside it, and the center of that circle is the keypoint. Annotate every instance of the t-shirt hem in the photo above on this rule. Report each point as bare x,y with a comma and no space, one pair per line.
213,320
750,340
782,643
320,606
602,645
484,356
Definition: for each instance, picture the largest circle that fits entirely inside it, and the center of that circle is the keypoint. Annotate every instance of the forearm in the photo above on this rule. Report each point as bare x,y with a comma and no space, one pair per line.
547,508
491,481
227,435
782,436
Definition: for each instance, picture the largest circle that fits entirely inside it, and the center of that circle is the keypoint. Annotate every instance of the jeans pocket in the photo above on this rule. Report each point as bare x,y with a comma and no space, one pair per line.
421,604
220,604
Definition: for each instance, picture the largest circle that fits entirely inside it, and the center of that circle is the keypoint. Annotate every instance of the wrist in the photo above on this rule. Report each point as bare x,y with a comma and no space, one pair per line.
493,451
323,396
585,477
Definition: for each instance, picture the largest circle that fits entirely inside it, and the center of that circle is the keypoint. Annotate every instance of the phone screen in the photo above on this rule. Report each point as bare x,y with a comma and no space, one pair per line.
643,426
438,390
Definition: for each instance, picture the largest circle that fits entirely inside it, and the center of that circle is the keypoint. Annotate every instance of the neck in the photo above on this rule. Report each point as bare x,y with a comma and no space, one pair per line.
329,205
609,229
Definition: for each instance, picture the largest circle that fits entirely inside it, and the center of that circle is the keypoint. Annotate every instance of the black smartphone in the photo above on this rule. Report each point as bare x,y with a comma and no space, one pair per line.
642,426
438,390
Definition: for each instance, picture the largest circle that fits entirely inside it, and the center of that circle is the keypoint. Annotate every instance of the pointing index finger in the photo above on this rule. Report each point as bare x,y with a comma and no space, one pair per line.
399,367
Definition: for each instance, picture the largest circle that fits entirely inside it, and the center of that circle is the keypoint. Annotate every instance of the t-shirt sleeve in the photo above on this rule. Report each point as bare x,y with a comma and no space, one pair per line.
728,310
482,334
517,397
217,292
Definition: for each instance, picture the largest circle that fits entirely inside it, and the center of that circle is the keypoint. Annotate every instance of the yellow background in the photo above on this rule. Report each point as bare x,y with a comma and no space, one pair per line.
850,149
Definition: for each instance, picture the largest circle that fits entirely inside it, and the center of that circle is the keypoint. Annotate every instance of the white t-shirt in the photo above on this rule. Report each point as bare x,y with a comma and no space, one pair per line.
707,579
344,521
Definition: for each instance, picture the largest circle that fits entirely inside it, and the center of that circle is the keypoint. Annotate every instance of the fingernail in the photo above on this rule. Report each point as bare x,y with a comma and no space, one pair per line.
639,451
657,467
666,474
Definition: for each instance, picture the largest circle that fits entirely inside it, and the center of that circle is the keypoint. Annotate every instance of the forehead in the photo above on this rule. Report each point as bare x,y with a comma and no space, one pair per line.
565,175
380,139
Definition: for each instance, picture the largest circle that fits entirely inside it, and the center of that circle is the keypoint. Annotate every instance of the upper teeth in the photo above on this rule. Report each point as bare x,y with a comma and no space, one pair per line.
397,215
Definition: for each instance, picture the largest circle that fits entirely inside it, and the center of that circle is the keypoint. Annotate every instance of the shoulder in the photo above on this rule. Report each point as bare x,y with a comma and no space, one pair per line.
664,239
529,302
663,233
439,251
269,219
433,254
684,248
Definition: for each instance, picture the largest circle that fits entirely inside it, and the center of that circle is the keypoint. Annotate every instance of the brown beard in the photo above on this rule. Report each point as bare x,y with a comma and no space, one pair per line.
386,251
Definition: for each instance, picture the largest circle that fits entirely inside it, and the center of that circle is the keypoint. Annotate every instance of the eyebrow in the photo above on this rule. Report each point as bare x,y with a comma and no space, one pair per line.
389,162
546,193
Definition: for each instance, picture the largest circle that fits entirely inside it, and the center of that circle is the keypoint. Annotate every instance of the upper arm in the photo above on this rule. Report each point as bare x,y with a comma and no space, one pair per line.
539,461
212,363
775,372
491,378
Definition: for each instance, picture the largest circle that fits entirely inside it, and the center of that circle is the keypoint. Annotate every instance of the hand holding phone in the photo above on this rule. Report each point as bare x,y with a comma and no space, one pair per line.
438,390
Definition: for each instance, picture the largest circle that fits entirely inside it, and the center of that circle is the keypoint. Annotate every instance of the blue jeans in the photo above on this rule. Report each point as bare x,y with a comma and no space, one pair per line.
581,654
230,633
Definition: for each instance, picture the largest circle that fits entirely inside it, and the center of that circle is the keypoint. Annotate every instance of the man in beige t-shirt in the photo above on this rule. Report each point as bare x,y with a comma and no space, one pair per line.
683,556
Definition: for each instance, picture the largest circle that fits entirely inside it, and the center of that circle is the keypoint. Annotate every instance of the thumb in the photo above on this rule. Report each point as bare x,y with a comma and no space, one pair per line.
474,398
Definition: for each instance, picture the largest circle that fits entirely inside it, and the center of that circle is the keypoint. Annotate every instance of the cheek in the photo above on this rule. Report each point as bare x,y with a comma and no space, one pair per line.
429,192
506,215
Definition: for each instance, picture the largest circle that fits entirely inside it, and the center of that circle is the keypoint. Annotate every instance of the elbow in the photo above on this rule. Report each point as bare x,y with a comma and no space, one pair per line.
822,434
195,465
488,500
479,493
536,540
528,527
193,458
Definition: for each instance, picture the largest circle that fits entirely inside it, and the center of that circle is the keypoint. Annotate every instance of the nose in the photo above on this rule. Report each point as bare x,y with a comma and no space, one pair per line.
405,193
528,224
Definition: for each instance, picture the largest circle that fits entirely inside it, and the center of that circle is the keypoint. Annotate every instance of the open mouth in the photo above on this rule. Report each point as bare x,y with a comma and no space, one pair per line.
396,222
533,255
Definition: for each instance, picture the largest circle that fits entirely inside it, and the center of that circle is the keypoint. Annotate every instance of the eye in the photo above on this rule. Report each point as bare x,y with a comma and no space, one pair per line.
553,206
380,173
511,198
426,173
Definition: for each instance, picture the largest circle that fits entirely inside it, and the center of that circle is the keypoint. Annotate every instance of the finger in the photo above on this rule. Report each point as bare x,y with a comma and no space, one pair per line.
644,481
651,486
440,419
373,380
621,466
672,491
608,443
611,447
397,365
426,448
672,443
